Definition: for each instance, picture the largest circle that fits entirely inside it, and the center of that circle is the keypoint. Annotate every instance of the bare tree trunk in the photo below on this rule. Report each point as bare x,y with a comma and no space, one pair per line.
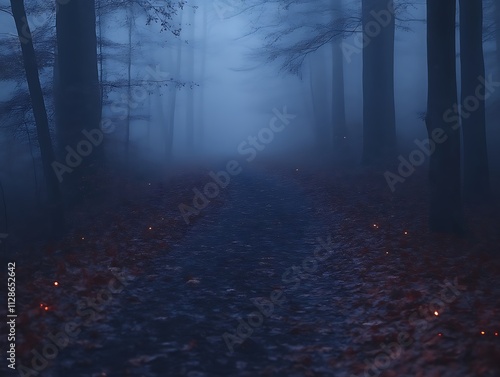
40,113
190,94
130,22
444,169
338,90
338,95
151,109
320,89
497,33
203,63
379,119
169,142
77,93
101,54
476,169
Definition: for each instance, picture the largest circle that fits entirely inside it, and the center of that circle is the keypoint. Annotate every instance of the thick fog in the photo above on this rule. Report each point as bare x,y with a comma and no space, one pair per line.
201,80
234,89
228,88
250,187
206,80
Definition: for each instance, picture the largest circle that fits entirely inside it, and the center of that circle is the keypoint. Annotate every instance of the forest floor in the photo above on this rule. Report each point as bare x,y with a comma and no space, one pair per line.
287,272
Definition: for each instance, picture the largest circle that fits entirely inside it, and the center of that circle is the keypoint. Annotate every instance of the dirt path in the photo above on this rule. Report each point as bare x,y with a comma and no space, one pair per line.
191,312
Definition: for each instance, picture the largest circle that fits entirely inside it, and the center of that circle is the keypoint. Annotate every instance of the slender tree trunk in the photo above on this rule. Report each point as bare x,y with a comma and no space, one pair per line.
320,89
40,114
130,21
152,109
101,55
444,169
476,170
157,107
497,36
169,142
169,137
338,95
338,90
190,67
379,120
171,111
203,64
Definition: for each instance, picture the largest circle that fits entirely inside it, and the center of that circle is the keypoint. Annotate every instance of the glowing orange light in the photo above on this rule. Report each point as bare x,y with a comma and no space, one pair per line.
46,308
482,333
436,313
56,283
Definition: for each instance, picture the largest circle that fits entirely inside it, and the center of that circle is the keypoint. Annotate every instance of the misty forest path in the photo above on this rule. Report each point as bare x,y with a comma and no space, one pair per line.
171,321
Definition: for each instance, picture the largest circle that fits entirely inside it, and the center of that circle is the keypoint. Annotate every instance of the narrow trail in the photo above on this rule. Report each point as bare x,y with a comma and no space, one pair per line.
171,321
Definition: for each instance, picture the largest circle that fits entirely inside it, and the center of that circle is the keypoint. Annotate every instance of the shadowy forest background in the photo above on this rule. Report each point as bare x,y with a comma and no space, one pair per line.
93,89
